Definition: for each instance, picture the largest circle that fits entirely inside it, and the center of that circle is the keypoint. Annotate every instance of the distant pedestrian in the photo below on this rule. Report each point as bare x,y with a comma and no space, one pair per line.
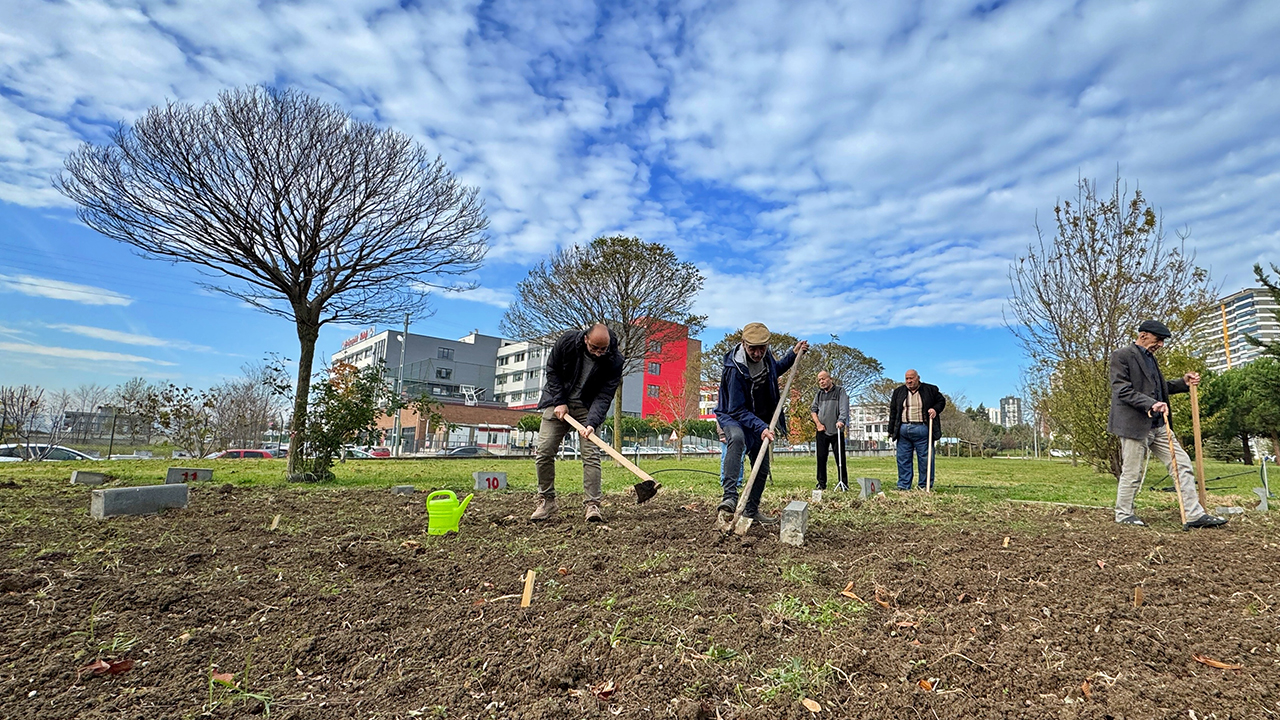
748,396
913,407
583,371
830,412
1139,402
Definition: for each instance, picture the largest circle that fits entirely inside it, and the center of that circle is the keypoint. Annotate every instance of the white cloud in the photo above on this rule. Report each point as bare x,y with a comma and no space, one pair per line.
126,338
76,353
884,162
59,290
488,296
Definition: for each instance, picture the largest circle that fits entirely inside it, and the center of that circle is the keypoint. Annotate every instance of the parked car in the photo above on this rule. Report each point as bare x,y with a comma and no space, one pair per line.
379,452
241,454
17,452
469,451
357,454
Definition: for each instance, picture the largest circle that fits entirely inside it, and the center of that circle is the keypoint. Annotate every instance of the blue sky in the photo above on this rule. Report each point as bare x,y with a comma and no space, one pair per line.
861,169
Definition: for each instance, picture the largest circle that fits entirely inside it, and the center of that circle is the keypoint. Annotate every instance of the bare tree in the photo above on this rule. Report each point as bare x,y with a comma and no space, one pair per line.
640,289
21,408
87,398
1080,295
286,203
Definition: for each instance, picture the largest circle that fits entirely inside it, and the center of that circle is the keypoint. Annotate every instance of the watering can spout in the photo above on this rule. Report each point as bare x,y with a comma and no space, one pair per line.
465,502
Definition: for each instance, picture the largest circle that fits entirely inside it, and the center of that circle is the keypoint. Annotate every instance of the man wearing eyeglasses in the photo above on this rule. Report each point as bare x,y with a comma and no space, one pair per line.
748,396
583,371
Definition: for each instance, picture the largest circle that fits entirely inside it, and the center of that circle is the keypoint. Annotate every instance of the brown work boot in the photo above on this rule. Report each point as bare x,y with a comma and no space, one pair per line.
593,513
547,508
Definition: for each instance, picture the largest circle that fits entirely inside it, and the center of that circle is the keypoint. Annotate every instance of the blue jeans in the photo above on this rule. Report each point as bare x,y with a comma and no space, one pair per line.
724,454
912,438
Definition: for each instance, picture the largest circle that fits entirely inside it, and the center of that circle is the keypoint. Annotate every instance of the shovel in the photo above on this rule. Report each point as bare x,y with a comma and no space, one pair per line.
739,524
646,488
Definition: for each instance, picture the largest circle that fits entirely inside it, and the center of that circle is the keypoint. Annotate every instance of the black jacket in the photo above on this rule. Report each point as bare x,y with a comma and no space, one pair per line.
1134,390
563,365
930,397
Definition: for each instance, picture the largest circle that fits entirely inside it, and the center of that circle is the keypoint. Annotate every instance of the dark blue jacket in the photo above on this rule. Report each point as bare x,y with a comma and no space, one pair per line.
737,405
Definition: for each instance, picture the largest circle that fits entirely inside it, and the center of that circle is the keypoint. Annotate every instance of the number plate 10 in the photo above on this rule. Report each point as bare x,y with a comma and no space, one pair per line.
490,480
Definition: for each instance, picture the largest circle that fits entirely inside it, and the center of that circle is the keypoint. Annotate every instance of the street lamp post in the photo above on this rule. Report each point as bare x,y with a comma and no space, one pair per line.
404,339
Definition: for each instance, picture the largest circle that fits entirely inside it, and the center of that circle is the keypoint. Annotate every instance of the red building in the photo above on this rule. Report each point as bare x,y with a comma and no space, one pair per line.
671,385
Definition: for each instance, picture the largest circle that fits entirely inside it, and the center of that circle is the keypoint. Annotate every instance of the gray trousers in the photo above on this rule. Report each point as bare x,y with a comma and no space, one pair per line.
550,435
1133,459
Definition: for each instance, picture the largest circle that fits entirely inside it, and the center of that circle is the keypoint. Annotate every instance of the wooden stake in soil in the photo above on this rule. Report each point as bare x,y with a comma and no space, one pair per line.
275,523
1177,482
527,598
1195,428
928,469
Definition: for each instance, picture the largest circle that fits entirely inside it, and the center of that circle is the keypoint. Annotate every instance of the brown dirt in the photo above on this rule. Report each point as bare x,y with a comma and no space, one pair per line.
349,609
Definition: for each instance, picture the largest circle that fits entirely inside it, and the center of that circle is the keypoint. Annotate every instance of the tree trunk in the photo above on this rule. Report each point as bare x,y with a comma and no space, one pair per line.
308,333
1248,451
617,417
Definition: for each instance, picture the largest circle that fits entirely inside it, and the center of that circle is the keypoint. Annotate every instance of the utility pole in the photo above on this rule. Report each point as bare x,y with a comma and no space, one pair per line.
404,340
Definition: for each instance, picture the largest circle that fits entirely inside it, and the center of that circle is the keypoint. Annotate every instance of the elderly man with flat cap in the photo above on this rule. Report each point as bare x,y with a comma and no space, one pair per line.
748,395
1139,401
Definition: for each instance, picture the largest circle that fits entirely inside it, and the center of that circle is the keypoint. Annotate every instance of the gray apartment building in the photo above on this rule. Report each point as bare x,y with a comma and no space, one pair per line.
459,369
1251,311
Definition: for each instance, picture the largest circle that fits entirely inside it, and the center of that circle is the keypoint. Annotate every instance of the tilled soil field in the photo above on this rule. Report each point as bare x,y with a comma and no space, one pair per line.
909,608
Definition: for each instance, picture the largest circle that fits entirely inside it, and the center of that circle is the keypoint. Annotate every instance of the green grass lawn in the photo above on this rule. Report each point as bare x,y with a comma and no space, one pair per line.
980,480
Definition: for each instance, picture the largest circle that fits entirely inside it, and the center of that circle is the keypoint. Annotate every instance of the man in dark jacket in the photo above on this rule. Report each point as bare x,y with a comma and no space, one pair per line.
913,407
748,396
830,412
1139,402
583,370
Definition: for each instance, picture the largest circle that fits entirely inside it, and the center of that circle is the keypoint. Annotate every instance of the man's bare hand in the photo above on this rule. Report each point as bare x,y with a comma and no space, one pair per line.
932,413
822,428
560,411
1159,408
802,346
840,425
768,435
1192,378
586,432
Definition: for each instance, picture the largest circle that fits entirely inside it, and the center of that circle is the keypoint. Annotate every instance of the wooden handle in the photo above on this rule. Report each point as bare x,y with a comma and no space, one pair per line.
1195,428
635,470
1177,481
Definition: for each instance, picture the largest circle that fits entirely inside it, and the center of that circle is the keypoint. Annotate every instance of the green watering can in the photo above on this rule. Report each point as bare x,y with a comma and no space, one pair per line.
444,511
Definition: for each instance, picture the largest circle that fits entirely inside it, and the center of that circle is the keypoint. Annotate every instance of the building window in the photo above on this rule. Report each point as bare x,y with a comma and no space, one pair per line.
444,353
655,368
519,357
517,376
535,354
652,391
531,395
655,348
534,374
437,390
504,360
444,373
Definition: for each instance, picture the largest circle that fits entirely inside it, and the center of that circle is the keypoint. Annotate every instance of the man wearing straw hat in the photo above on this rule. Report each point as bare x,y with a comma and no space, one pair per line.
748,395
1139,405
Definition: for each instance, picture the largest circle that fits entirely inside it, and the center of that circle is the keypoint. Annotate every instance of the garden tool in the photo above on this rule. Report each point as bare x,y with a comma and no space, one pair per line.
928,468
1195,427
1177,484
646,488
444,511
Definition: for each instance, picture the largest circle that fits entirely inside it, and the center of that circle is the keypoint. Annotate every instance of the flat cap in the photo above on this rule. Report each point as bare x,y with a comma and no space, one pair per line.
755,334
1155,327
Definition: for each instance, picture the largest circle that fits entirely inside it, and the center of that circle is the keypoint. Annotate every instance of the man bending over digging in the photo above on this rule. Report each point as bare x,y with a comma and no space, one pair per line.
583,371
748,395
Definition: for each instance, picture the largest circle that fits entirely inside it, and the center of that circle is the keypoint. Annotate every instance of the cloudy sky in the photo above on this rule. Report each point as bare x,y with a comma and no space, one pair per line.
863,169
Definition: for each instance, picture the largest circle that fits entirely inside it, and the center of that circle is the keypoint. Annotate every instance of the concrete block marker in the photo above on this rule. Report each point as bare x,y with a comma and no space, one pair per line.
795,521
868,487
403,490
178,475
490,480
1262,499
84,477
144,500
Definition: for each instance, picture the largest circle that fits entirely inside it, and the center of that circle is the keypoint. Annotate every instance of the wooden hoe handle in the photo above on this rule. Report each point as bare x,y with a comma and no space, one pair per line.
635,470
